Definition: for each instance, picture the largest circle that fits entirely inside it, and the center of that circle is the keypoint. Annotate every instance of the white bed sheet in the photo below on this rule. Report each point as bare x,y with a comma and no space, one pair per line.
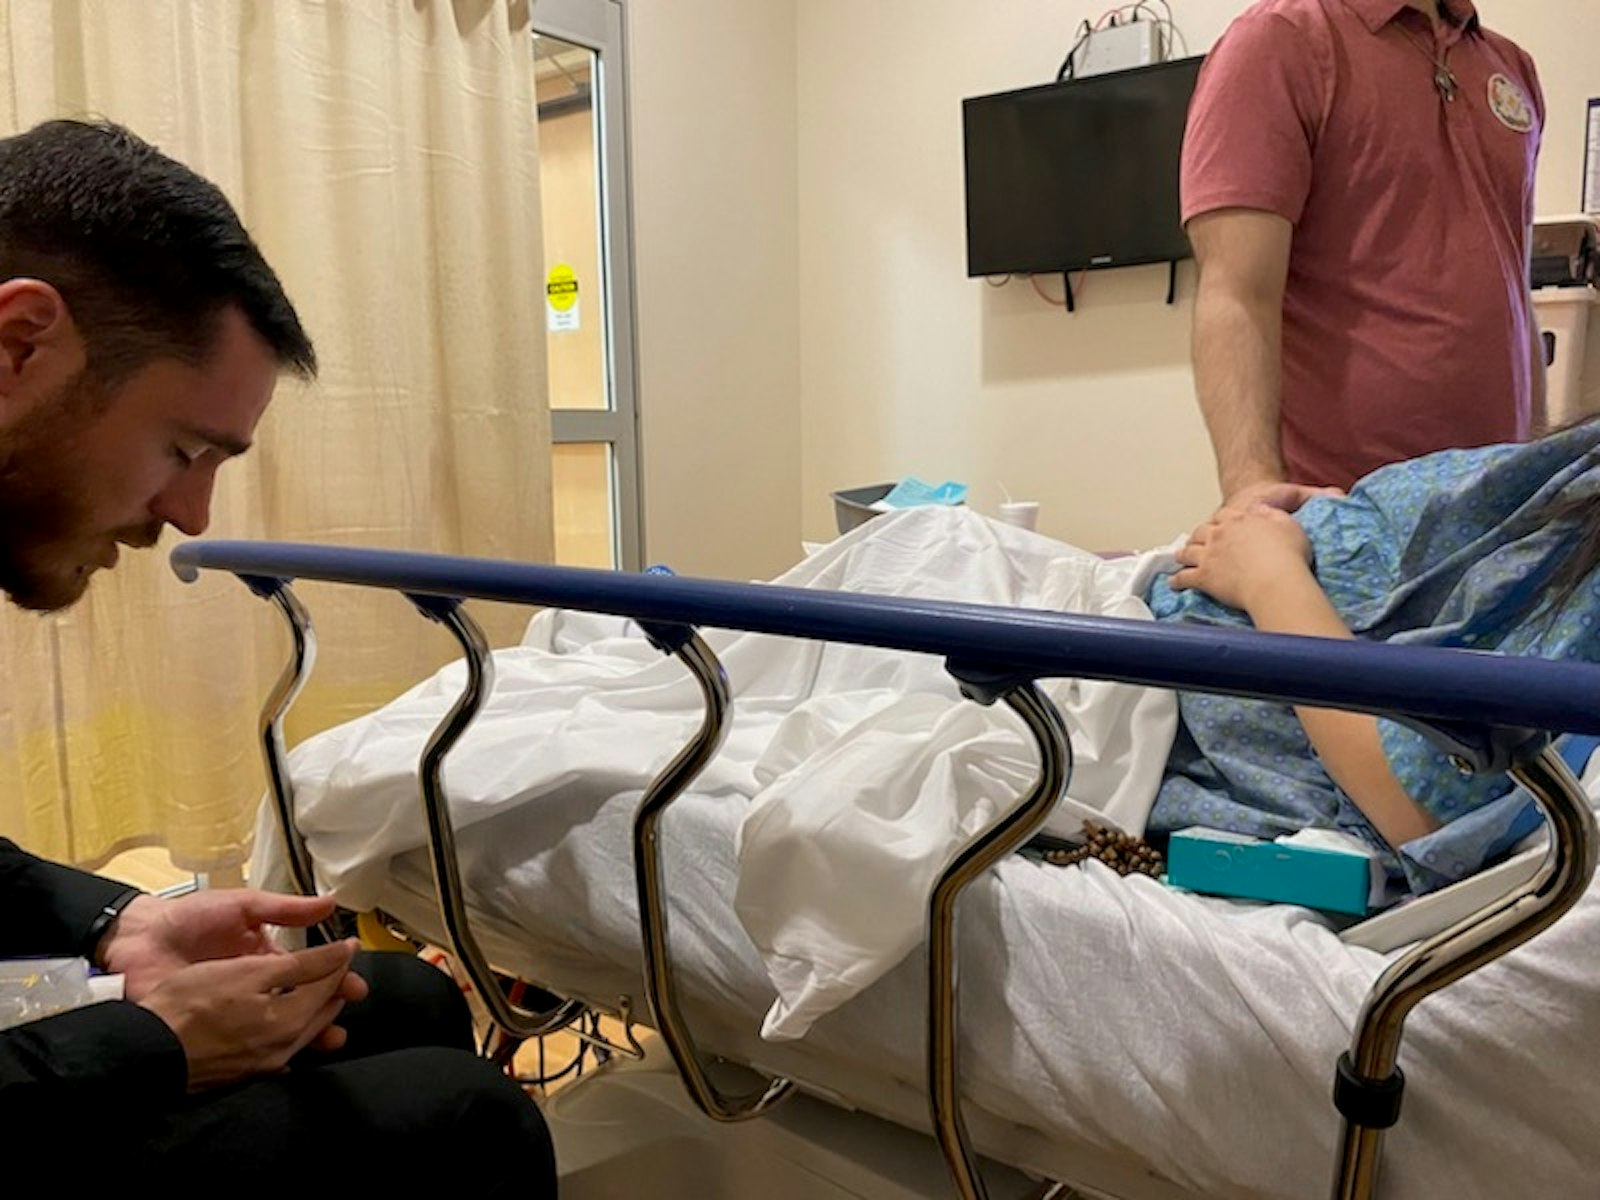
863,769
1107,1022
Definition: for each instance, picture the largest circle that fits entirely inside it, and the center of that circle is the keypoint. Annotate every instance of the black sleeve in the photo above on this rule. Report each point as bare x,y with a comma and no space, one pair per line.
102,1059
45,908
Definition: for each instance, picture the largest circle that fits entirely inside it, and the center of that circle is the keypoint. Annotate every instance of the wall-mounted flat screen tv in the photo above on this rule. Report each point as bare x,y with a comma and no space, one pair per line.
1077,174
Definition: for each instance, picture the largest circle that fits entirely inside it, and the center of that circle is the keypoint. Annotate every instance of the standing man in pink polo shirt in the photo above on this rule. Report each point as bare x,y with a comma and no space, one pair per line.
1357,183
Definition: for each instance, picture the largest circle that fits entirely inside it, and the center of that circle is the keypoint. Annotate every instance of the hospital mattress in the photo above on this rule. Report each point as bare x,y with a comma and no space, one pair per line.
1116,1034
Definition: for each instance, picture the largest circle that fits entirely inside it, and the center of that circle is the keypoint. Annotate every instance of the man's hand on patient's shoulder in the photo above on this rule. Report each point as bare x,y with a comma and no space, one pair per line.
249,1015
1275,493
153,938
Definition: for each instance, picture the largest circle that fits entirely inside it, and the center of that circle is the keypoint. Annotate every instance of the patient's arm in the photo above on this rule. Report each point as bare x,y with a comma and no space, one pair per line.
1346,742
1258,560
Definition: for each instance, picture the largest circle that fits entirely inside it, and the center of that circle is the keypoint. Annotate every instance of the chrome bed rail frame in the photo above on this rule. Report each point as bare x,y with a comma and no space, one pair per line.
1482,728
508,1017
661,985
1369,1086
1004,836
285,692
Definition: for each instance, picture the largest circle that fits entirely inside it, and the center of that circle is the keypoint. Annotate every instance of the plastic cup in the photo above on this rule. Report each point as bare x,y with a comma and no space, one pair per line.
1024,514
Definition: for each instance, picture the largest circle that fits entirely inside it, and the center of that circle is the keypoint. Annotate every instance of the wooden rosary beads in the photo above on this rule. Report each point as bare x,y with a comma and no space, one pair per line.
1123,853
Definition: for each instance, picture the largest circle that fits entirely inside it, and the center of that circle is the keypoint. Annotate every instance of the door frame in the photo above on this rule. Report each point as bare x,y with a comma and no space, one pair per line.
598,25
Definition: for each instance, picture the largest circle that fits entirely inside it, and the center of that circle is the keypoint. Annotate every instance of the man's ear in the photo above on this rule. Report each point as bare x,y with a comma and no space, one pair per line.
40,346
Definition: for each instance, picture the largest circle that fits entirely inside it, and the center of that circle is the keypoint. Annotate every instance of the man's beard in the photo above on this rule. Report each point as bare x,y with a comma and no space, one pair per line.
49,545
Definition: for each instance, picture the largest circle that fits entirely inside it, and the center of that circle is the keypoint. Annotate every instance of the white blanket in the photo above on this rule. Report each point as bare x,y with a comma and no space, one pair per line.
864,770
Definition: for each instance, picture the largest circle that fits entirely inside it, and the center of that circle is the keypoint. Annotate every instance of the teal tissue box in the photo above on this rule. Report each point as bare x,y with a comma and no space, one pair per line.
1228,864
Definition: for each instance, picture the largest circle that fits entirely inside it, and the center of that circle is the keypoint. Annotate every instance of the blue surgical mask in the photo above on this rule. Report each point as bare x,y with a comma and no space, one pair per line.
912,492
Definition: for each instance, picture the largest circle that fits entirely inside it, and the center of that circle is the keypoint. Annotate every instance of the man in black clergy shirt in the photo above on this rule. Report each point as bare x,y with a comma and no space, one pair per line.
141,335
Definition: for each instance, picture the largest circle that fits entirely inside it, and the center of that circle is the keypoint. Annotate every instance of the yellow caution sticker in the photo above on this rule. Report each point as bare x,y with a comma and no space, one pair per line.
561,297
562,287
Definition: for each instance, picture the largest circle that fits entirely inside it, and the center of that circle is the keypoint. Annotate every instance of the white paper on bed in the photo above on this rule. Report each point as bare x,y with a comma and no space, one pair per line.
864,768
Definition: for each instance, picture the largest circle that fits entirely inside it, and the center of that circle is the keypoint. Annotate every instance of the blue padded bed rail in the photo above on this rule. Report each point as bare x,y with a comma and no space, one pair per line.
1488,711
1455,686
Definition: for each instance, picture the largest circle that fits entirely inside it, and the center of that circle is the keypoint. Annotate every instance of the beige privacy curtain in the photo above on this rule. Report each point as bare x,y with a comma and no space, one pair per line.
383,152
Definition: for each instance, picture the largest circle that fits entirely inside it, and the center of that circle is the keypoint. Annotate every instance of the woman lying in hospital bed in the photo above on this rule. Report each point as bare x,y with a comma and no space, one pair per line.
1194,1026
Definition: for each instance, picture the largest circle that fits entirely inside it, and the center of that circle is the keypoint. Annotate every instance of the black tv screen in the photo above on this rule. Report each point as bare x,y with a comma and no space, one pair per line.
1077,174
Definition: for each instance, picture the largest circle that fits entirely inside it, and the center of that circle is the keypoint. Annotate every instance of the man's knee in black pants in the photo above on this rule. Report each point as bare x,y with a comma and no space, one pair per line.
410,1042
409,1003
385,1122
455,1108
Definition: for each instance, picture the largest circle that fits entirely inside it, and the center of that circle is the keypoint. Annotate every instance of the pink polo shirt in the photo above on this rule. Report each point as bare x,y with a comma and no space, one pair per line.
1406,326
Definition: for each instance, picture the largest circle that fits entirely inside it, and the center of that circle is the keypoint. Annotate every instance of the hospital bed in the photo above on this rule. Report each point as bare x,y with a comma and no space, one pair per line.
1054,965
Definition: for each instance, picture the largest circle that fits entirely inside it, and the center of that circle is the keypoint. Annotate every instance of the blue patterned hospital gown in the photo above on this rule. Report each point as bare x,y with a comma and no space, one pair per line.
1446,550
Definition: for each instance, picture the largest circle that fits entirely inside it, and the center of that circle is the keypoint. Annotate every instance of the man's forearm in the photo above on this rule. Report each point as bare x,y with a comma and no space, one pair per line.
1238,379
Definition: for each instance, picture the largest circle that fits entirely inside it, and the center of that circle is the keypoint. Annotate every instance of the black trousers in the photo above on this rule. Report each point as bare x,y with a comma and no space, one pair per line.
404,1103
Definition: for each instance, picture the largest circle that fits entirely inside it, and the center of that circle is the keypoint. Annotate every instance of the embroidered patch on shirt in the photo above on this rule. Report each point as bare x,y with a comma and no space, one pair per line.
1507,102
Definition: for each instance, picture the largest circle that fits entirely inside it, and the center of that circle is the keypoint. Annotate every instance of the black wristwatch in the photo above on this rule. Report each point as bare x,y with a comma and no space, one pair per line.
104,919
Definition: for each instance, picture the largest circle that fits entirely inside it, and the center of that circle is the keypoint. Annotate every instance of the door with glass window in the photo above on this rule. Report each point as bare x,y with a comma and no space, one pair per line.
579,74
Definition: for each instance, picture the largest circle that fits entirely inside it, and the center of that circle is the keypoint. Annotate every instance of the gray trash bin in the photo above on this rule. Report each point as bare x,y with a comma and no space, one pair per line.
853,506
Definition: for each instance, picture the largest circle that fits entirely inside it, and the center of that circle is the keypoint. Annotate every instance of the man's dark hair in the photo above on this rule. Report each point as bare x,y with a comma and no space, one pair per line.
146,253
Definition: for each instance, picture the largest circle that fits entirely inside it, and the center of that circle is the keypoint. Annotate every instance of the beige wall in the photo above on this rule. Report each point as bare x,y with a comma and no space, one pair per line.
805,319
715,227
